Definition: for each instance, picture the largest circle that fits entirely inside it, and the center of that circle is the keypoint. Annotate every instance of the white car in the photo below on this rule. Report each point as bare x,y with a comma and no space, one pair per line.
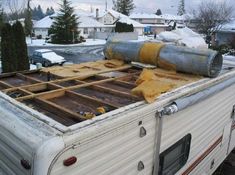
46,57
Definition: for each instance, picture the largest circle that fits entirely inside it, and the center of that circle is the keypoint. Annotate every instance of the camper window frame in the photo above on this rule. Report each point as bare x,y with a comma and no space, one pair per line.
177,155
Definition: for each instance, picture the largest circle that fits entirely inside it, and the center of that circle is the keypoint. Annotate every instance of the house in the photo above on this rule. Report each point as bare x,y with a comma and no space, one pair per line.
87,26
153,23
225,35
175,18
103,21
42,26
111,17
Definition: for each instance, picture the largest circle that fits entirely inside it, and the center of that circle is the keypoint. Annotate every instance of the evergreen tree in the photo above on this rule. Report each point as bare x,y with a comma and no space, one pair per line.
39,12
28,21
1,22
20,50
181,8
123,6
34,14
124,27
9,62
159,12
50,11
65,25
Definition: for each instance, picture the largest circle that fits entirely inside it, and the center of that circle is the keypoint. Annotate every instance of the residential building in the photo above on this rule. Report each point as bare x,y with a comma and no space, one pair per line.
89,24
225,34
153,23
111,17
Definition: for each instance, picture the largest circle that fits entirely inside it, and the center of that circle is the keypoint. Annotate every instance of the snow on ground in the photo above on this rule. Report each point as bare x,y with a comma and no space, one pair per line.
41,42
32,67
184,36
229,59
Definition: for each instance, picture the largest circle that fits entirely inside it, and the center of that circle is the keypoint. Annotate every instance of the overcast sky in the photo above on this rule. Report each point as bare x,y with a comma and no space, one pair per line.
167,6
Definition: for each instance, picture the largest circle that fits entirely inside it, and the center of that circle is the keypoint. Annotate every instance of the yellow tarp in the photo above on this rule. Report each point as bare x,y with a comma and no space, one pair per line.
153,83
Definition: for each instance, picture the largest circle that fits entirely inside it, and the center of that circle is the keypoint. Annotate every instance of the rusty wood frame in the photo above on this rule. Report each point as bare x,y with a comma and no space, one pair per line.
110,90
70,88
68,79
59,110
93,99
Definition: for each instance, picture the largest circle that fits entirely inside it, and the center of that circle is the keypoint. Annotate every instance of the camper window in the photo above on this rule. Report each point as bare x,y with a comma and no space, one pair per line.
175,157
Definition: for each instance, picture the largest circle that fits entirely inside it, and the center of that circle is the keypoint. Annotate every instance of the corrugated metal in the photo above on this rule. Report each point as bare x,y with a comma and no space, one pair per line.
205,121
116,150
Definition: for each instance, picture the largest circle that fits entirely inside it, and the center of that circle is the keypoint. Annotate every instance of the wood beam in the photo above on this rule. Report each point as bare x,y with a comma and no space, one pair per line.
70,88
71,78
59,110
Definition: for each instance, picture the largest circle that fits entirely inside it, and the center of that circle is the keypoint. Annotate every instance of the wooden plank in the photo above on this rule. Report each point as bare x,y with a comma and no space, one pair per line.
6,84
29,78
125,83
50,94
112,91
59,110
25,91
5,75
72,78
41,87
95,100
69,88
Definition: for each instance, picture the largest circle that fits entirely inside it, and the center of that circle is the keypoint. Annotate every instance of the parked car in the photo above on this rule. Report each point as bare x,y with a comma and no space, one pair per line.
46,57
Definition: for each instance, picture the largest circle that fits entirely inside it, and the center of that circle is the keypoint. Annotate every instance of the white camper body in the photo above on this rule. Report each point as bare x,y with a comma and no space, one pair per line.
136,139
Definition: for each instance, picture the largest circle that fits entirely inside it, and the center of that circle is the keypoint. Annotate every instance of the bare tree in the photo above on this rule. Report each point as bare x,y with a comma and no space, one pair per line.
212,15
15,6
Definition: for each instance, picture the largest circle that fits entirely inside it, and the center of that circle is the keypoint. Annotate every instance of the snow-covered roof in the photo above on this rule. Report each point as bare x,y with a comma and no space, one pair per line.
86,21
229,27
172,17
44,23
144,16
120,17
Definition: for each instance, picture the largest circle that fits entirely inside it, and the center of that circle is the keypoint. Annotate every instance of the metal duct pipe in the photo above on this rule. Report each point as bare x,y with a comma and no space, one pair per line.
196,61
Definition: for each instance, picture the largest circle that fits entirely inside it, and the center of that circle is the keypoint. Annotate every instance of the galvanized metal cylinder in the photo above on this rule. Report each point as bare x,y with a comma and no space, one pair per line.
196,61
127,51
201,62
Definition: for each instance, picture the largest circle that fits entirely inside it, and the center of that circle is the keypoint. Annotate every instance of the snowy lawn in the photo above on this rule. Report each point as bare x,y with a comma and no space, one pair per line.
41,42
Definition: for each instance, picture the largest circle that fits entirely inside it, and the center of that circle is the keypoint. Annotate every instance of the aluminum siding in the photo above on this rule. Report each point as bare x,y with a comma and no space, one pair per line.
113,147
206,121
20,136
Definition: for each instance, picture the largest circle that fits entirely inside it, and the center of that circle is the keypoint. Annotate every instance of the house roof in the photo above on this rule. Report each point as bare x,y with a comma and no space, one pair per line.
145,16
84,21
172,17
44,23
120,17
229,27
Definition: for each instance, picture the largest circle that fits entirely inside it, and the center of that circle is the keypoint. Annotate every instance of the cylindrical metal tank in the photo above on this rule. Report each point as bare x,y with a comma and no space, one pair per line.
183,59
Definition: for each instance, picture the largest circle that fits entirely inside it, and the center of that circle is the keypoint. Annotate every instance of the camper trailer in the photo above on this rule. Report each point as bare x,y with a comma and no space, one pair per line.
84,119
